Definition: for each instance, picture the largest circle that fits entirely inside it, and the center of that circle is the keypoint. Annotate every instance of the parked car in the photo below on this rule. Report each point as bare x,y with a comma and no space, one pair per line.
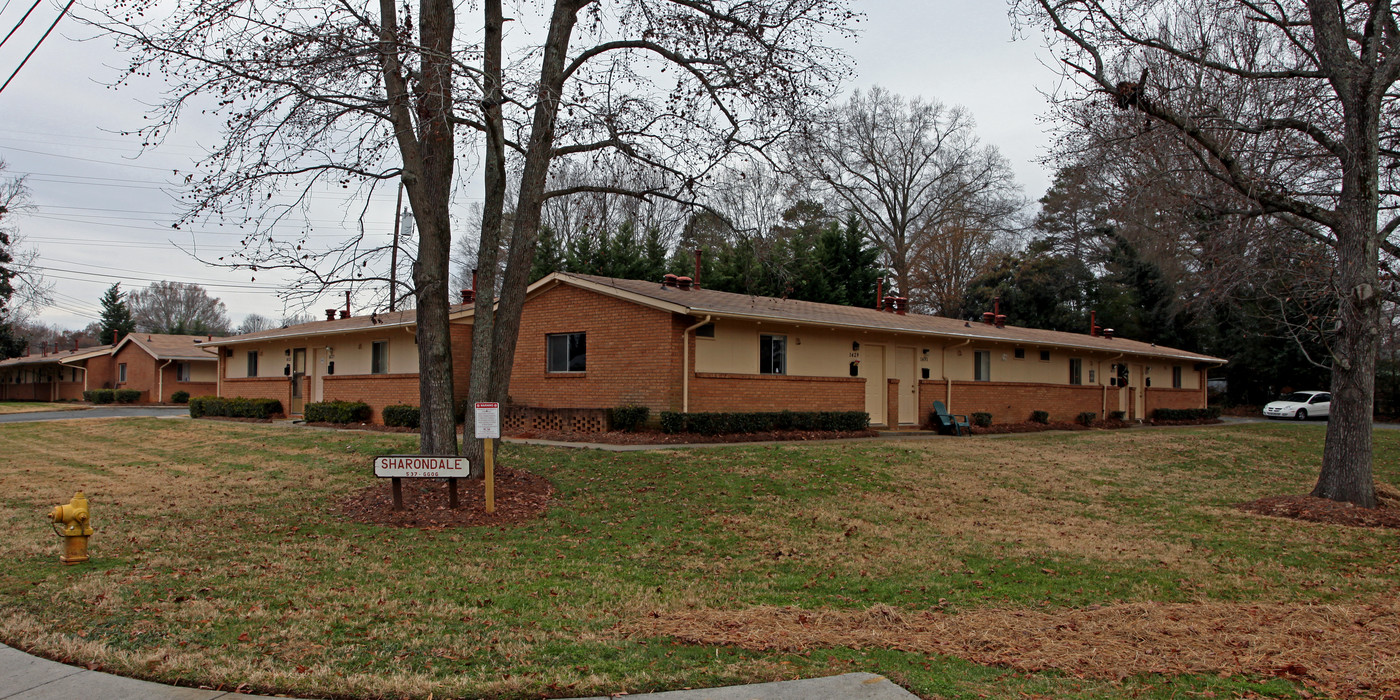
1301,405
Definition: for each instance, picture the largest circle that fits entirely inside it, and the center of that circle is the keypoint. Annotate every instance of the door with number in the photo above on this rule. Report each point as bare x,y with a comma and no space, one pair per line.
902,368
298,381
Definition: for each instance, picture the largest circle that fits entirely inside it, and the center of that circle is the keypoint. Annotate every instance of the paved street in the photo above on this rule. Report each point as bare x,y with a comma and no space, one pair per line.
99,412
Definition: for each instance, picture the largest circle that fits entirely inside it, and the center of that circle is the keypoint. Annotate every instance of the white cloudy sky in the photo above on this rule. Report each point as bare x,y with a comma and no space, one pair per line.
103,211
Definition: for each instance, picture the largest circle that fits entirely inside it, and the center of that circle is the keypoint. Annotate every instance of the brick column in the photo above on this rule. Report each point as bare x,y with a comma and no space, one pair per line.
892,403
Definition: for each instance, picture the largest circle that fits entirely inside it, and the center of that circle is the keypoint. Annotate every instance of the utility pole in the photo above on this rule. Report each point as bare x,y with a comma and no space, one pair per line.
394,253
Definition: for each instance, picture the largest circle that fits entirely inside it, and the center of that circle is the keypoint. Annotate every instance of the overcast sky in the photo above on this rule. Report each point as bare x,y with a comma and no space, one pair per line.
103,214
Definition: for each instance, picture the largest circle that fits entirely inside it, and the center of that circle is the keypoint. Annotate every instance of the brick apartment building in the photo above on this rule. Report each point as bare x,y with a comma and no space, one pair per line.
156,365
590,343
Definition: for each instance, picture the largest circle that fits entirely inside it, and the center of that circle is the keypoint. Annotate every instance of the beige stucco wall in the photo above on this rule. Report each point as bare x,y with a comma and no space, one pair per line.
206,371
823,352
351,353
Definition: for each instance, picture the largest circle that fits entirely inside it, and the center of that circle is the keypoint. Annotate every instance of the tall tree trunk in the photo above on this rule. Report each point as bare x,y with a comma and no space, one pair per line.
525,233
488,249
430,199
1347,456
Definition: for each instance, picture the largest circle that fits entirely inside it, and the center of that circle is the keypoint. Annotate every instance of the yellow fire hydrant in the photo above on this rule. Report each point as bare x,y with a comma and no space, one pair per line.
75,529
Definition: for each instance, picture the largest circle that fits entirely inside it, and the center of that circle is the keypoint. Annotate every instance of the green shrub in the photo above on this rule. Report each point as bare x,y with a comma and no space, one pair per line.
672,422
336,412
1118,415
1185,413
628,417
99,396
180,397
981,419
402,415
1086,418
201,406
127,395
1040,416
729,423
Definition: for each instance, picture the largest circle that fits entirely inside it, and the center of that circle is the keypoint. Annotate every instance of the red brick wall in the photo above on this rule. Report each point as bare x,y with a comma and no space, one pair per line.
101,373
377,390
892,418
461,363
25,392
140,371
71,391
634,353
1172,398
775,392
1012,402
260,388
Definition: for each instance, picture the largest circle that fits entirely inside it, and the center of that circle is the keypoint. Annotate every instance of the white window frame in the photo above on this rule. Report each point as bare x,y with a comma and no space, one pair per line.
379,357
573,360
776,353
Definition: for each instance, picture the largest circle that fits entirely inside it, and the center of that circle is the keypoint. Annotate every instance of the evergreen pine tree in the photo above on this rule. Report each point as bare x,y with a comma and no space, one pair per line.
549,255
116,316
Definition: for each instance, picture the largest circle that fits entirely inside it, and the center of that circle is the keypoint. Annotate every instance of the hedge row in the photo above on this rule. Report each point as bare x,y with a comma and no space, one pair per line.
402,415
1185,413
180,397
725,423
110,395
99,396
628,418
234,408
336,412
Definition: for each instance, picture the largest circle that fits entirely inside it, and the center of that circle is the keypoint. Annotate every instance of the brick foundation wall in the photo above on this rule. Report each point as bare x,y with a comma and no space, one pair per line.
775,392
633,353
71,391
260,388
25,392
377,390
461,335
1172,398
523,419
1012,402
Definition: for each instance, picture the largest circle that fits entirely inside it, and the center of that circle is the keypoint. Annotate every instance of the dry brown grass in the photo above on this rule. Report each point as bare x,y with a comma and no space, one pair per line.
7,407
1350,650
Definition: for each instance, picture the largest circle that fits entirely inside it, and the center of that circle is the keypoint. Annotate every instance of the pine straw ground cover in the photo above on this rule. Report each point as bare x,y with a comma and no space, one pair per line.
1082,565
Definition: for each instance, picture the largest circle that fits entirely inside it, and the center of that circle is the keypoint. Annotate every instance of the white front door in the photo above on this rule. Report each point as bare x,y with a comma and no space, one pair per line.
872,367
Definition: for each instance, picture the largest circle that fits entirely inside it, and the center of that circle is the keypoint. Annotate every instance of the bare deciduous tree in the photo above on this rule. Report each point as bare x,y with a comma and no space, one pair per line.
913,170
1289,104
177,308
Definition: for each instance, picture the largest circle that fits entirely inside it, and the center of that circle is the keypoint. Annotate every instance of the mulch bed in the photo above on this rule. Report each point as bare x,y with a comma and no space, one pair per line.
1033,427
648,437
1193,421
520,496
229,419
370,427
1323,510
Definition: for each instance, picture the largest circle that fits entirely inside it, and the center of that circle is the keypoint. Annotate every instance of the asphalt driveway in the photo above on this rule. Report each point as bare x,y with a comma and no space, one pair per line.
99,412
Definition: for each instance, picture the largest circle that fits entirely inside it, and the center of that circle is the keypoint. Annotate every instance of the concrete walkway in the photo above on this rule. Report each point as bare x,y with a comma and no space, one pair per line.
25,677
99,412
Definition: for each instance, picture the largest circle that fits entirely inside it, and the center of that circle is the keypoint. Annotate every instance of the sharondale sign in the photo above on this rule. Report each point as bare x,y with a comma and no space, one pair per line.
419,467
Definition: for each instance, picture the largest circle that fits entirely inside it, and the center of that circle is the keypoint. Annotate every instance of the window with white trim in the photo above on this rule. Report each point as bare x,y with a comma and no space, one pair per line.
182,371
772,354
379,357
982,365
252,363
121,372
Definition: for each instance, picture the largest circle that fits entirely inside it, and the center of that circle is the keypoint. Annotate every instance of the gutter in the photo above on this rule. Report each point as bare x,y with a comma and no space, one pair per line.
160,381
685,364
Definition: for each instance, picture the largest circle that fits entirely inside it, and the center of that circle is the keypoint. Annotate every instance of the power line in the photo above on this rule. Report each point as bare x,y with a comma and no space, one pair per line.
251,286
21,20
37,44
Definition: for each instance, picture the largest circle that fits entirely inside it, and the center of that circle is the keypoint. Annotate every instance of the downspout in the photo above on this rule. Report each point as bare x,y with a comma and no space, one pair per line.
947,381
1104,411
160,382
685,364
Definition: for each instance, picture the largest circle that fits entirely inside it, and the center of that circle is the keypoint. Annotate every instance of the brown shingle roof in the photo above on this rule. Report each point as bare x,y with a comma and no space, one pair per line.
170,347
40,358
339,325
700,302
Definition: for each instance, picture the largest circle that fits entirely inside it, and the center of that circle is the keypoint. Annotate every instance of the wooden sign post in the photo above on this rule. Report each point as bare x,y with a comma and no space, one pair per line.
488,428
397,467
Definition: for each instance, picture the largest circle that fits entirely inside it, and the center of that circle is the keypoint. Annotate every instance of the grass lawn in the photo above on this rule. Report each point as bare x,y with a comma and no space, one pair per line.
1080,565
35,406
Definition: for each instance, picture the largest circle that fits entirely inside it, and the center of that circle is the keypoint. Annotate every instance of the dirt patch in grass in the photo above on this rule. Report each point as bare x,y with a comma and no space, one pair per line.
519,495
1345,651
1386,514
618,437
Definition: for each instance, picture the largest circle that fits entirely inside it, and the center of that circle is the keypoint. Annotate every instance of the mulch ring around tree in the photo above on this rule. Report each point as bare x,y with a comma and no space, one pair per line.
1386,514
520,496
654,437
